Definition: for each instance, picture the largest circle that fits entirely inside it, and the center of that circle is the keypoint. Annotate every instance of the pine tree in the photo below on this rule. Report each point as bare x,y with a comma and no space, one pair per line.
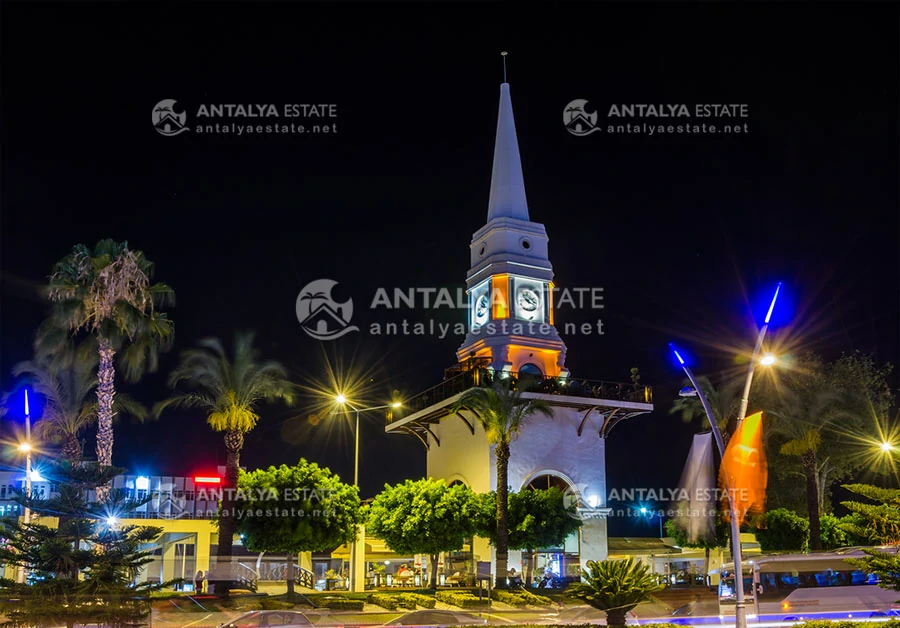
81,564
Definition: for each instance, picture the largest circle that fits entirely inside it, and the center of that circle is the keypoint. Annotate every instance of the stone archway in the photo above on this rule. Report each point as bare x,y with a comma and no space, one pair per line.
538,559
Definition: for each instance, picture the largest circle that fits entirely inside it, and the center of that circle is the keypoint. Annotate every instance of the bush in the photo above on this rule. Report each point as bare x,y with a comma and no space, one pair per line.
341,604
388,602
463,600
268,604
508,597
425,601
535,600
784,530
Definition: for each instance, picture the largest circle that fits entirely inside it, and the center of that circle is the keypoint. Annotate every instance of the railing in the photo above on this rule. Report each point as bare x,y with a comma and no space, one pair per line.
526,382
305,578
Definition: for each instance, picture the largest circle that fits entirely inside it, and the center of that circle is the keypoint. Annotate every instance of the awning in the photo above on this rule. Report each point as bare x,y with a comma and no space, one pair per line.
376,551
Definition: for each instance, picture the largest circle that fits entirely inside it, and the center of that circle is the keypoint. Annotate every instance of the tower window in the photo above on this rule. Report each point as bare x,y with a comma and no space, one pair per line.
526,243
481,252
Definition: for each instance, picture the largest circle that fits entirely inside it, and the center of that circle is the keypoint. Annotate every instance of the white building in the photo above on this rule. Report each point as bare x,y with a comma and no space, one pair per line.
512,334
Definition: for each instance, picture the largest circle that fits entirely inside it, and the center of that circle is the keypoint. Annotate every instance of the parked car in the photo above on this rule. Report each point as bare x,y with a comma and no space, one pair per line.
265,619
436,618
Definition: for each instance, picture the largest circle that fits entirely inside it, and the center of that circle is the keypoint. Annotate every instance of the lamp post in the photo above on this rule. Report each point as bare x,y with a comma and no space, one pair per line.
341,400
644,512
740,608
767,360
25,447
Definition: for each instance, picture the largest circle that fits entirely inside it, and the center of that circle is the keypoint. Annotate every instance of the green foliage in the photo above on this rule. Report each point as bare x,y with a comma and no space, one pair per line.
106,292
423,517
502,412
535,600
537,518
722,534
508,597
784,530
615,587
303,508
229,388
462,599
418,599
724,402
340,604
389,602
833,536
877,519
82,569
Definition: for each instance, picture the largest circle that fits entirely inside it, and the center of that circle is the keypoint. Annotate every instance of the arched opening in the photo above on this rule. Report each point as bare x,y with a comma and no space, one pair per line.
530,376
552,566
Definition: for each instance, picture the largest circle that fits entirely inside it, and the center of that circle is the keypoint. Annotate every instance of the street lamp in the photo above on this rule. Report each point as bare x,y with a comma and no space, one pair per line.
341,400
740,608
650,518
886,447
25,447
767,360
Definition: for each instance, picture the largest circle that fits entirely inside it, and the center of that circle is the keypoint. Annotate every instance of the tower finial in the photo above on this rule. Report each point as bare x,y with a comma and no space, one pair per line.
503,54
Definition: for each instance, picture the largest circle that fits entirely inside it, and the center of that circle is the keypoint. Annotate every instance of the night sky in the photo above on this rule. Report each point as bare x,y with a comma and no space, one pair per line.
685,233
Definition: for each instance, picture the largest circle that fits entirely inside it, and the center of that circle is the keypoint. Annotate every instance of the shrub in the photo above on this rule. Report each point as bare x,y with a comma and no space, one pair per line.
268,604
508,597
463,600
388,602
535,600
425,601
784,530
341,604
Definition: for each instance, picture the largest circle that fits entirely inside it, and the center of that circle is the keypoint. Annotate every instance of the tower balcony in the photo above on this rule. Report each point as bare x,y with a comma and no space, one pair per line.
612,401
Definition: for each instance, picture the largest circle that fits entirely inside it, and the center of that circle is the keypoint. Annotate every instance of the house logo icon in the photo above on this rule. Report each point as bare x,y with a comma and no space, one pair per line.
319,315
166,120
577,120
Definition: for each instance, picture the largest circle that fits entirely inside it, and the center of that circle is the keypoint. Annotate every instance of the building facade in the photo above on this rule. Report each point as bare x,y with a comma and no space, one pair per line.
511,335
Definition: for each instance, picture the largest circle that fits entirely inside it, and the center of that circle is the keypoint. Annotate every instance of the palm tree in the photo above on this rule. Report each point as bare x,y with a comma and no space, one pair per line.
502,413
802,417
724,402
107,293
615,587
230,390
66,384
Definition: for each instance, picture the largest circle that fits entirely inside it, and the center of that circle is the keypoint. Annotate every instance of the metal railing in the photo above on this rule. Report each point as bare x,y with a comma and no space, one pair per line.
525,382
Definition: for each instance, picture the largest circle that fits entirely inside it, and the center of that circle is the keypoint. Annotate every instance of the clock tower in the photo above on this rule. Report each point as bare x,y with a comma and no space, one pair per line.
510,279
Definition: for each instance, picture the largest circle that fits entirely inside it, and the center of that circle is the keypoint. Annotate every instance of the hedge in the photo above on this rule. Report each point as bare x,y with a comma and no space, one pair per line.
383,600
534,599
341,604
508,597
425,601
463,600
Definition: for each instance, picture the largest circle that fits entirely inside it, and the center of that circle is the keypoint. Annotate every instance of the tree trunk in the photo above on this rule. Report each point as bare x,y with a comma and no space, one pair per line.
810,468
234,442
502,453
290,576
616,616
106,392
71,449
432,568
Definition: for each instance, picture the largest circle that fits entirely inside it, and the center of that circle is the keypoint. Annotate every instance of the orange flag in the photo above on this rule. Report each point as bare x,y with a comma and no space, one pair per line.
744,473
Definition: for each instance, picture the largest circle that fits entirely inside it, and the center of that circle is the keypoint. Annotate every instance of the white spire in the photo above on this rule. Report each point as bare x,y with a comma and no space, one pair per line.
507,182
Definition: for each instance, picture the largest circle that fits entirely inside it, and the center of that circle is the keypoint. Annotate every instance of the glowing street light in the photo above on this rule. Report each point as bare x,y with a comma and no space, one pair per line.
768,360
24,447
740,607
886,447
341,400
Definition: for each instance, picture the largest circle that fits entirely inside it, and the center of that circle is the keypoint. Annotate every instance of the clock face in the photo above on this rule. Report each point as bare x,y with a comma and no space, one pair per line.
482,309
529,301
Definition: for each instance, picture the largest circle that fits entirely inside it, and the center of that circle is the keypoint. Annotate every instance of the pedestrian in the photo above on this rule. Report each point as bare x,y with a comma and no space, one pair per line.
198,581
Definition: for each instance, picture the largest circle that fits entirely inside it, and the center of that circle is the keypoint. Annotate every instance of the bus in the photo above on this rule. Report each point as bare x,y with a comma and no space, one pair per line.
799,587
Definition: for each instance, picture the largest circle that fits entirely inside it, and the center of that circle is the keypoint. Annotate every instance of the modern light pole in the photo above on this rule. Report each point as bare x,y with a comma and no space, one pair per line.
740,608
644,512
341,400
25,447
767,360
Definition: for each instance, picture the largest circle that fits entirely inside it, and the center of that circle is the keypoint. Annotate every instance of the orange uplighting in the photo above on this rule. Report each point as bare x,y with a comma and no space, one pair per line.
202,479
500,296
744,472
550,302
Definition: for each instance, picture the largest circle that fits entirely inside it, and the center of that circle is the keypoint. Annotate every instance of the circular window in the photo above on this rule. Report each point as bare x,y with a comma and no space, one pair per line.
526,243
481,252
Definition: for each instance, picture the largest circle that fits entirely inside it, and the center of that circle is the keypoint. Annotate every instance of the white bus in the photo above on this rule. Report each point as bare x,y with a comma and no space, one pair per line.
797,587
